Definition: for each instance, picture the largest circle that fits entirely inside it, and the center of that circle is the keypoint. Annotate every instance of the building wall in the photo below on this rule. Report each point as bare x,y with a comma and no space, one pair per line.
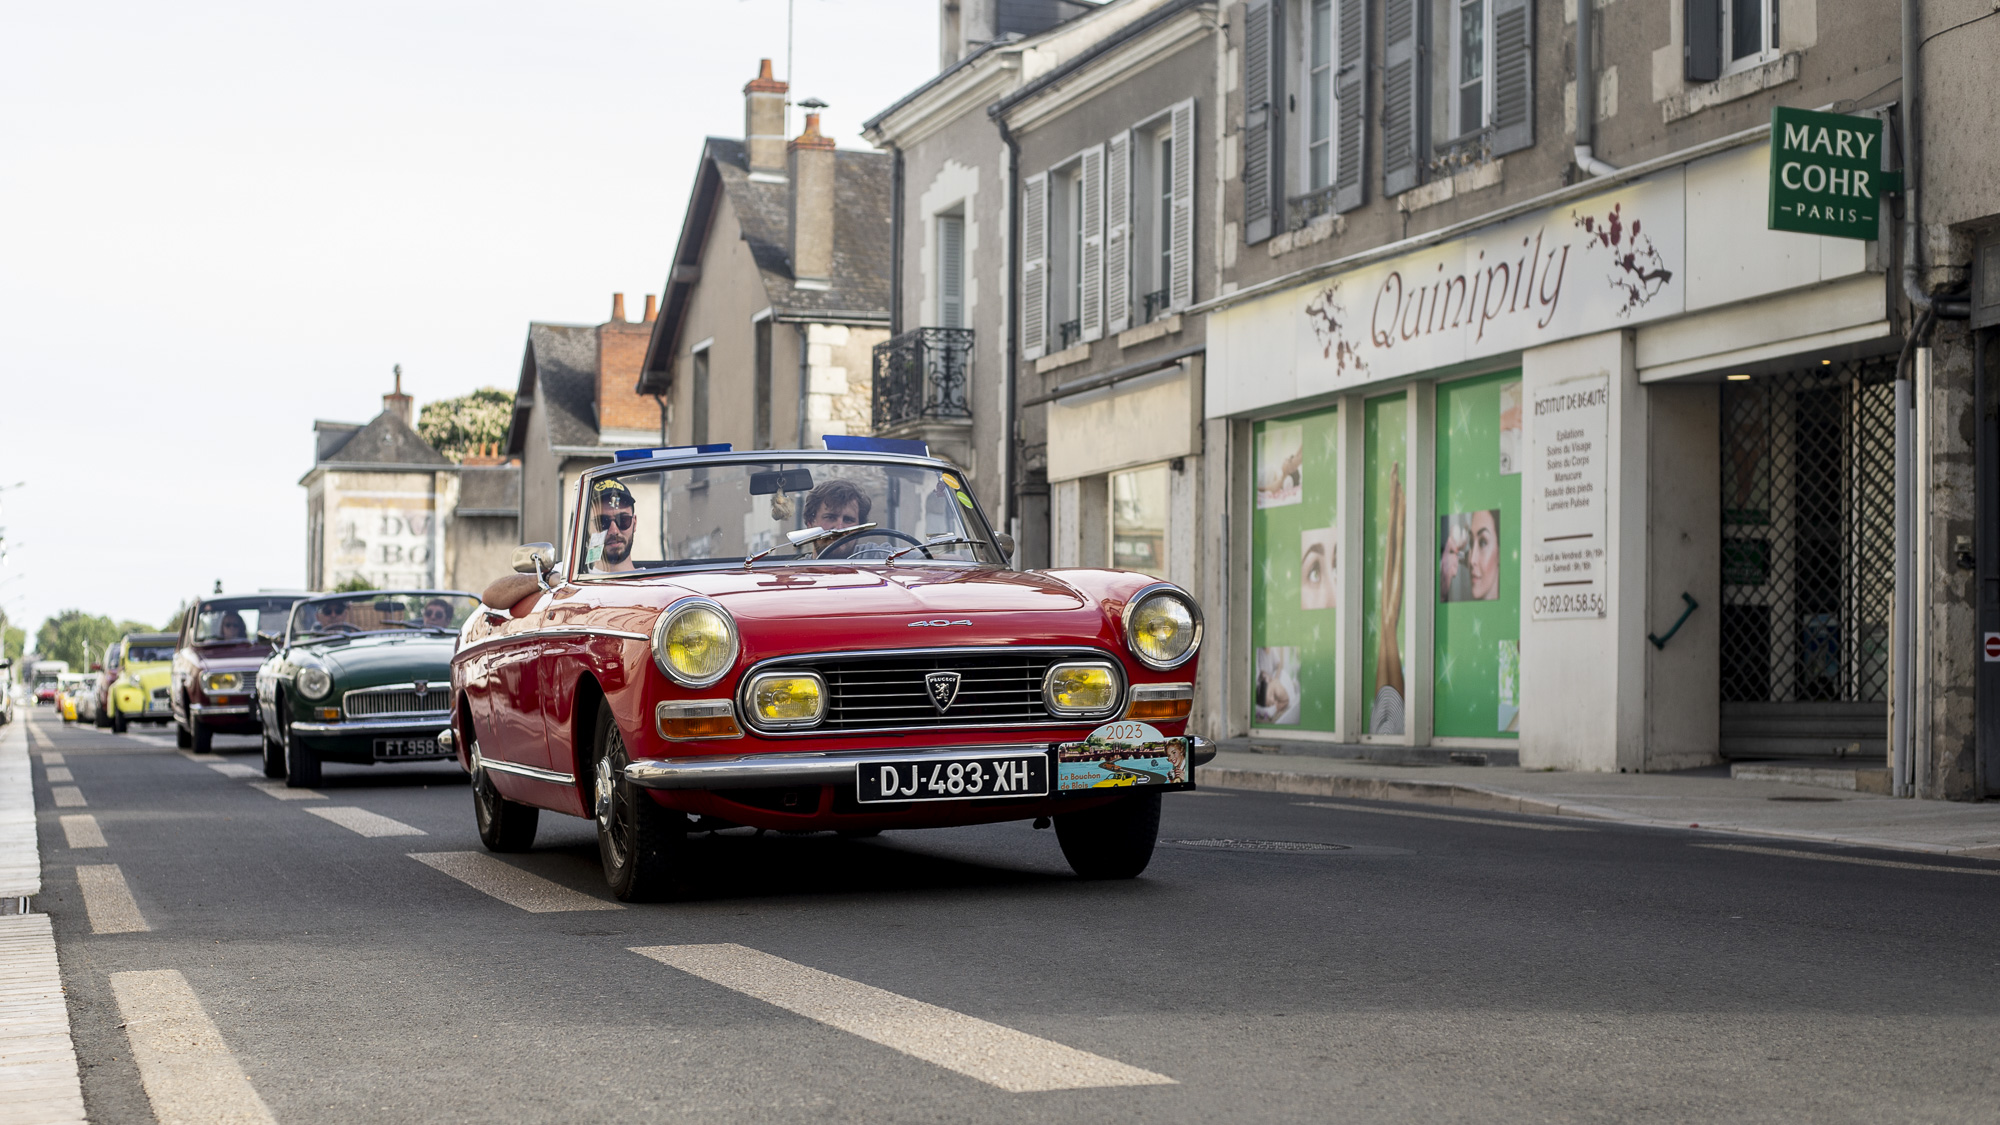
380,526
721,312
541,496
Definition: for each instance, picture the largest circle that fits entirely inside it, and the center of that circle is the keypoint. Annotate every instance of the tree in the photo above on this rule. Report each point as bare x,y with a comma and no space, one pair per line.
455,426
16,641
80,637
353,585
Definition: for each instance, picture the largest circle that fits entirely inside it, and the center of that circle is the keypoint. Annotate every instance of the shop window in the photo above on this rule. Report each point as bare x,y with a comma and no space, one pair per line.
1295,573
1477,573
1139,520
1385,662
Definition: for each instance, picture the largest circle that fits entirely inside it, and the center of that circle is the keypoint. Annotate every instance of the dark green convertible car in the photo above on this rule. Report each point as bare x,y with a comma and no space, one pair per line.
362,678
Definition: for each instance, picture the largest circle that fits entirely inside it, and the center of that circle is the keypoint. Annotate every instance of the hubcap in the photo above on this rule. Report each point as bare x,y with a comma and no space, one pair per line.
604,791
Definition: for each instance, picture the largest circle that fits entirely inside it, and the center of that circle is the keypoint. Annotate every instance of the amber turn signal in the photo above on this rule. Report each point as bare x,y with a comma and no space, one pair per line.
683,719
1160,702
330,714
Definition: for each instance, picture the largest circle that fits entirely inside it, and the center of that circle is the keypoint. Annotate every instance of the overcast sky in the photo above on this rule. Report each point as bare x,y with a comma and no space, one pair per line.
220,221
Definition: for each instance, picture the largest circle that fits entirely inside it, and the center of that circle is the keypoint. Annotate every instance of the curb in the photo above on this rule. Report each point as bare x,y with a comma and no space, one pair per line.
38,1072
1456,794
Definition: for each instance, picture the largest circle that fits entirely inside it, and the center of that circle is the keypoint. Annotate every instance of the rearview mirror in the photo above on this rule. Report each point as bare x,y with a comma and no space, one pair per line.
781,480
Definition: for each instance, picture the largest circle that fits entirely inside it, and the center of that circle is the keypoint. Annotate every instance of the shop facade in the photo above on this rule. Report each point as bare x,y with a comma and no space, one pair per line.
1594,482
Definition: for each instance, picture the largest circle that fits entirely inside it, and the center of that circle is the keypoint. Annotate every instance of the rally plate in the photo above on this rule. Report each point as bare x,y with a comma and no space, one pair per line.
968,778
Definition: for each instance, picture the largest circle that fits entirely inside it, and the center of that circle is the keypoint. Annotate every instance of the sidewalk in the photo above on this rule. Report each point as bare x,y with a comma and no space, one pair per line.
1665,800
38,1074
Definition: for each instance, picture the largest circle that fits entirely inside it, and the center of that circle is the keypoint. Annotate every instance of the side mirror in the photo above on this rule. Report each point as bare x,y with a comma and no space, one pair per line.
268,638
535,559
1006,543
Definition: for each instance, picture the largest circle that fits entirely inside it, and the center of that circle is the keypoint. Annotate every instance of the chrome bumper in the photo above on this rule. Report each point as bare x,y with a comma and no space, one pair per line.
422,726
761,771
220,709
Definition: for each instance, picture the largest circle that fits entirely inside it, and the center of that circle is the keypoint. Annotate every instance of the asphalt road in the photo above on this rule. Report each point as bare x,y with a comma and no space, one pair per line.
1279,961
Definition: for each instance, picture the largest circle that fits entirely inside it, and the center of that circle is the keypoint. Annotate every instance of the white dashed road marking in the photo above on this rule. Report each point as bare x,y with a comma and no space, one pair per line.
277,789
80,830
108,900
1494,820
1790,853
52,757
999,1056
235,769
38,1076
68,797
510,884
189,1074
61,773
365,822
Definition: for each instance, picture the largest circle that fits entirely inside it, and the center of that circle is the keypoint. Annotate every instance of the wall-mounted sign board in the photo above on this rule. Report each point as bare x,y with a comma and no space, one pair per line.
1826,173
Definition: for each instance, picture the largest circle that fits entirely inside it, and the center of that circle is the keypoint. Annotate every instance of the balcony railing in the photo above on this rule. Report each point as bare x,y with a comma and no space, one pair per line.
921,376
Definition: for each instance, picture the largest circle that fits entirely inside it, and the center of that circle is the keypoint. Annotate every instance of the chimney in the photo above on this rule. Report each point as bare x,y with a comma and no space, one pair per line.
764,122
652,308
618,308
812,159
397,402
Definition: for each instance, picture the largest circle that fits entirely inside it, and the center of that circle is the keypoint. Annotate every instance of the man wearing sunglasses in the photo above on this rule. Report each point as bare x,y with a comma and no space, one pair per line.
332,618
609,527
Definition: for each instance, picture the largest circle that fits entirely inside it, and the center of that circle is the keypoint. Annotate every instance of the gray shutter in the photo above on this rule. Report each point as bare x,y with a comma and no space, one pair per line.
1701,41
951,271
1180,282
1263,118
1091,317
1350,119
1035,266
1118,232
1514,75
1402,95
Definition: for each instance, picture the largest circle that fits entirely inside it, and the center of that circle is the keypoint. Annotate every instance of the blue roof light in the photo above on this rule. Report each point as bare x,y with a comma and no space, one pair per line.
847,443
671,451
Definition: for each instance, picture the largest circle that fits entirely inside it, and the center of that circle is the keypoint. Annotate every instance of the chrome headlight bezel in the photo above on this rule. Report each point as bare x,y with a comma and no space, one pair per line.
747,700
212,682
1137,603
665,622
314,683
1117,690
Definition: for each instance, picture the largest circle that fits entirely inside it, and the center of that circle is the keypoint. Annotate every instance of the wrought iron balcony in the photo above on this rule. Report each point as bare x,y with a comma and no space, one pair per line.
921,376
1156,304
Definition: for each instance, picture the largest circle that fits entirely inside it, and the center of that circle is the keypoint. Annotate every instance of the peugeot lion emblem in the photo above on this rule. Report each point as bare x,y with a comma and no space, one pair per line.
943,688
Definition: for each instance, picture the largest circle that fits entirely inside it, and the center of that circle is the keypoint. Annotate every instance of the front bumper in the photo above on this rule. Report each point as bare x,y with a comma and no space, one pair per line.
422,726
207,709
763,771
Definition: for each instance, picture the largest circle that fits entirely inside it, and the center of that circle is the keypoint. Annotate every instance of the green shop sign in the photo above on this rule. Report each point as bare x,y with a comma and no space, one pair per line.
1826,173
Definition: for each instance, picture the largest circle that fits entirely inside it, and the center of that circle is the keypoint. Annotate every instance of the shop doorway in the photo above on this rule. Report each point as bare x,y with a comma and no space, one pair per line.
1808,532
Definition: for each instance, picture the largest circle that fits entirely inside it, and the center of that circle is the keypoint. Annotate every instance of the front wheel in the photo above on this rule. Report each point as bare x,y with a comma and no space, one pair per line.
504,825
1111,841
117,722
274,758
301,764
200,734
639,842
182,738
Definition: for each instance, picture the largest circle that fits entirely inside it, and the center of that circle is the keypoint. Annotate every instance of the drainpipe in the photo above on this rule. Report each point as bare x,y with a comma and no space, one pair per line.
1586,95
663,420
1008,452
896,241
1913,289
805,377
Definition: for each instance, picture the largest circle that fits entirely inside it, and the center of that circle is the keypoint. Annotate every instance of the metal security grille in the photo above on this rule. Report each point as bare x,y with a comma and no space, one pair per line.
1808,465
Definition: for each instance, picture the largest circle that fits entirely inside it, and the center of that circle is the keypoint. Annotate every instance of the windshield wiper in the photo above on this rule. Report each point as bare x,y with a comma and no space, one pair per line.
806,536
940,541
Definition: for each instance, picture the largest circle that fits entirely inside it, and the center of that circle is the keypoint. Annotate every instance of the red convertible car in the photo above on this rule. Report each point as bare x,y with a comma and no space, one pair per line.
807,641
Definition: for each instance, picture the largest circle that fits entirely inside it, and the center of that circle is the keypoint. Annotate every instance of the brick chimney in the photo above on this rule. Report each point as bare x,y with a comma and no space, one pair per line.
618,308
621,350
764,122
812,160
396,402
652,308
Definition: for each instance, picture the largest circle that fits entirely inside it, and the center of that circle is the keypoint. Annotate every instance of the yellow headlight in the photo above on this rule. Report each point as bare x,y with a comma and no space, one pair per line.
787,700
1076,689
695,643
1162,629
222,681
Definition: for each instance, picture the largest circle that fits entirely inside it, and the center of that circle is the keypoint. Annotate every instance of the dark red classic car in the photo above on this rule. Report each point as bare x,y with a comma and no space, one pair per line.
223,640
816,640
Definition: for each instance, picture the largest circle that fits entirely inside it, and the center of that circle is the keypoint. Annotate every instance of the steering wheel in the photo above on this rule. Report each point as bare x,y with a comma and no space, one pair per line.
860,535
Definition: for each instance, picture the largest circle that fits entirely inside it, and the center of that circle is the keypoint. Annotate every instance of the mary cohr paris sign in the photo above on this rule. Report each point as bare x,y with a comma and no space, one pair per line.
1826,173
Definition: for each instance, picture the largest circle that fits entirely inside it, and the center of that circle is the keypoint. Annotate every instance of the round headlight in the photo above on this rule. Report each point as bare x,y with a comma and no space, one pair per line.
1163,627
314,683
694,643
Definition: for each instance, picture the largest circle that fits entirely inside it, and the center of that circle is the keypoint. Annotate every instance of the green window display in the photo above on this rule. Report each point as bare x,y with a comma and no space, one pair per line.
1384,532
1477,657
1294,576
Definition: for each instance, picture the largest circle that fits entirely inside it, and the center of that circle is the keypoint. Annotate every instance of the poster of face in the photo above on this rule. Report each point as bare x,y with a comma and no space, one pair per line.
1510,687
1277,701
1469,563
1510,429
1280,465
1319,569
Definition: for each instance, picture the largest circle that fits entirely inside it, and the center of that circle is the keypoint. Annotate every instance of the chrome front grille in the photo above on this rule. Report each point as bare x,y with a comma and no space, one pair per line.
396,701
886,691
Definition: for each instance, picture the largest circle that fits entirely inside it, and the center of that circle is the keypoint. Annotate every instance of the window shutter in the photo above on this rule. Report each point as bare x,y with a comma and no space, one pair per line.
1118,232
1180,284
1402,101
1350,122
1035,266
1701,41
951,271
1091,316
1514,75
1263,115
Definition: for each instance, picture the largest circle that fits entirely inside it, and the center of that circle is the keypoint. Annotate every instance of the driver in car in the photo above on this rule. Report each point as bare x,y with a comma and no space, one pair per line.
835,505
232,628
612,516
332,618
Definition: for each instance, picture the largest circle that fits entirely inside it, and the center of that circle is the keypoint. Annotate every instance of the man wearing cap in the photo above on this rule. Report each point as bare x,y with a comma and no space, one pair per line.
609,526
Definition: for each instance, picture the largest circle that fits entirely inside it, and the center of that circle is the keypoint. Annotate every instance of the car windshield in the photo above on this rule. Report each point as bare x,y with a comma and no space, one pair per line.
239,620
380,612
148,653
709,515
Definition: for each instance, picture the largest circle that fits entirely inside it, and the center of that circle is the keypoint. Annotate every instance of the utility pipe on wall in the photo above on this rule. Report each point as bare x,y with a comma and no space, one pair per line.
1586,95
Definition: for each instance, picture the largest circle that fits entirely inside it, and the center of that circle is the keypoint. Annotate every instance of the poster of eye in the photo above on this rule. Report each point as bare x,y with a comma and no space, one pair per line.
1295,572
